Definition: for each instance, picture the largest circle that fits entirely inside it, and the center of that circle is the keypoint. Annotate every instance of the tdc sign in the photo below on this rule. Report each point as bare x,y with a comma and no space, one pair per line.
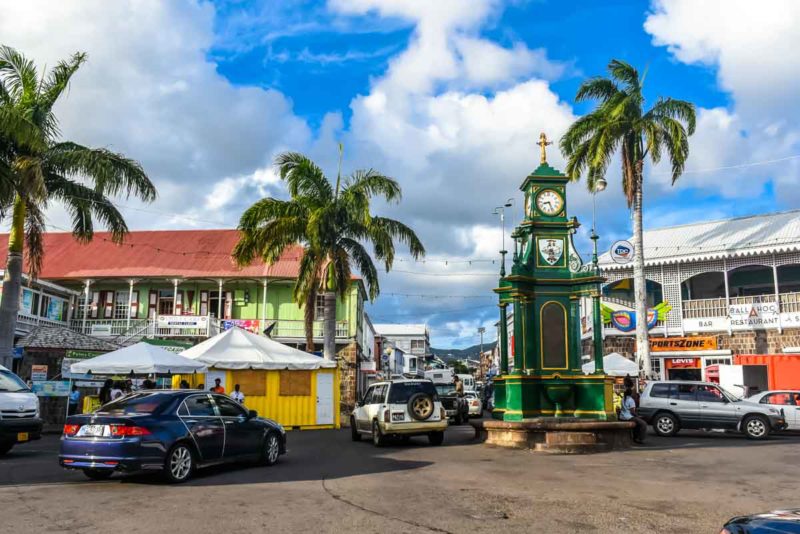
621,252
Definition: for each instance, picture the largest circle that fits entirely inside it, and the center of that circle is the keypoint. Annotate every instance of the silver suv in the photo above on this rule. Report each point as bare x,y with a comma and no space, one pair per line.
670,406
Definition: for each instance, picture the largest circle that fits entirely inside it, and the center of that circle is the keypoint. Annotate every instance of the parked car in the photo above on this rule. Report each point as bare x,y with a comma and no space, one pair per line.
399,408
779,521
454,404
174,432
786,400
671,406
474,404
19,412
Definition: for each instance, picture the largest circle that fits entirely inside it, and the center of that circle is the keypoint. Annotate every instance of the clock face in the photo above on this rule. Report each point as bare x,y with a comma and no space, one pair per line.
549,202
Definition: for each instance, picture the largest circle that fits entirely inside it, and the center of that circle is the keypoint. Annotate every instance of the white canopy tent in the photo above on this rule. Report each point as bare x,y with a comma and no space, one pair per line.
239,349
614,364
139,359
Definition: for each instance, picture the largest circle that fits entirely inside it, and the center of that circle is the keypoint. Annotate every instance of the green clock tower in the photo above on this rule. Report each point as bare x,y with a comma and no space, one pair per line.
540,373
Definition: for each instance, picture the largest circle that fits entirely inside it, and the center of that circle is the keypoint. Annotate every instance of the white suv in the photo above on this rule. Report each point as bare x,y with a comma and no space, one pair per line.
399,408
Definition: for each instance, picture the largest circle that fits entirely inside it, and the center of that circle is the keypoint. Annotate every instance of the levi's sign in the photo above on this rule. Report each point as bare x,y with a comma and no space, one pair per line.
669,344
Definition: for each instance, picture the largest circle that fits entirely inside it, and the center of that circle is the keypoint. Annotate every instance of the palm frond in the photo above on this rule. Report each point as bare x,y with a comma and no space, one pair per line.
34,239
19,76
626,74
303,176
364,264
58,79
596,89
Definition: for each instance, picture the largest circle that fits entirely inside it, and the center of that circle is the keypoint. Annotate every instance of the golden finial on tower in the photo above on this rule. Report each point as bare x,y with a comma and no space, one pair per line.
543,142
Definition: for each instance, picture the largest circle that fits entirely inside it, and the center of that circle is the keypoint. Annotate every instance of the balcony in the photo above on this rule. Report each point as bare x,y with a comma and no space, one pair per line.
27,321
290,329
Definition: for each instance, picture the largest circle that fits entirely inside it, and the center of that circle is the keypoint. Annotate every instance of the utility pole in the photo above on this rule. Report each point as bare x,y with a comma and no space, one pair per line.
597,324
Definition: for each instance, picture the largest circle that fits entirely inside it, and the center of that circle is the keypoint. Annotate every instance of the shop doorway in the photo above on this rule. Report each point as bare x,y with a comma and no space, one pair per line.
166,303
683,374
214,304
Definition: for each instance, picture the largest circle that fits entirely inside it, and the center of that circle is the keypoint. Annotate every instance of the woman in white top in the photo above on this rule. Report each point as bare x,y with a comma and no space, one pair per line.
237,395
116,392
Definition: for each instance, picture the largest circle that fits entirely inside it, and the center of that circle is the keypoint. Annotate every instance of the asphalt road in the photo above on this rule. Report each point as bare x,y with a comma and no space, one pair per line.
691,483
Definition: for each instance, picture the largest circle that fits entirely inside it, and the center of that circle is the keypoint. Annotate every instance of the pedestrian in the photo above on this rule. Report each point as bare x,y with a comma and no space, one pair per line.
201,386
217,387
628,413
184,384
105,392
117,390
459,386
147,384
127,387
237,395
629,384
74,398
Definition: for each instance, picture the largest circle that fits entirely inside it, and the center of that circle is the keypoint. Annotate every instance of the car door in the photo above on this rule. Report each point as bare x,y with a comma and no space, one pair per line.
205,426
374,406
683,401
243,434
786,401
715,409
362,419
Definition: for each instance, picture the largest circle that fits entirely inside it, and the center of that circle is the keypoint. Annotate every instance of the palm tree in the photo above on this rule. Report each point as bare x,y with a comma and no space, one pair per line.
330,221
620,122
36,168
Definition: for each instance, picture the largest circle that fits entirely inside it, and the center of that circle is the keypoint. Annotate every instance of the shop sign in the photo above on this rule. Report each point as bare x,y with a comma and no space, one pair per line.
756,315
53,388
178,322
368,366
83,354
706,324
38,373
101,330
683,363
672,344
621,252
251,325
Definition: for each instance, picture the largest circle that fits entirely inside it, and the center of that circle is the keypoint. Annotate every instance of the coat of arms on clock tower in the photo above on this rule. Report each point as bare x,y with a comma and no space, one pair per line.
551,250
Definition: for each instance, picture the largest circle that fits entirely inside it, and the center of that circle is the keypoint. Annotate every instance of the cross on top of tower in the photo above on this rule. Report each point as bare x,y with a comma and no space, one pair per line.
543,142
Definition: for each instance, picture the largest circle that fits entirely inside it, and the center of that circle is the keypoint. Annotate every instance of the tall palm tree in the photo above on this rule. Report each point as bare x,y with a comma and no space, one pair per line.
331,222
620,122
36,168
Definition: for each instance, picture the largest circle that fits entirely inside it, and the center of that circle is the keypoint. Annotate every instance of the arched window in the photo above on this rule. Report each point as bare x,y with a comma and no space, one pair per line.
553,335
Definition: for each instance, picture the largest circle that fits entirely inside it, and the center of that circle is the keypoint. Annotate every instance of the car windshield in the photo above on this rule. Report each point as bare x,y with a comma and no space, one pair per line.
138,403
9,382
401,392
446,389
732,396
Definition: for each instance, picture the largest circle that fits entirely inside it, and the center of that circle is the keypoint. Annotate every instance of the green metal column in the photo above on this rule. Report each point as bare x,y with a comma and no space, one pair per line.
519,337
597,332
503,340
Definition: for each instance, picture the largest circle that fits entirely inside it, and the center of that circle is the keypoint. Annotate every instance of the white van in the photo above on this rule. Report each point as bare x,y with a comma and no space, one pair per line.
468,381
19,412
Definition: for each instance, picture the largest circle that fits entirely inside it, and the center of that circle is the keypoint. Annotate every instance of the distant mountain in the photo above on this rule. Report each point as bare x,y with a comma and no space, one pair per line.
459,354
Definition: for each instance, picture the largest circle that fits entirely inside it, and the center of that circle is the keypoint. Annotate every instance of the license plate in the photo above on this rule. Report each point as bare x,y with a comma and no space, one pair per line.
22,436
397,417
94,431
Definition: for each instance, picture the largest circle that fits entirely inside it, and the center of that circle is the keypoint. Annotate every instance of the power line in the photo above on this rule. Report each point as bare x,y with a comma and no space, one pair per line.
731,167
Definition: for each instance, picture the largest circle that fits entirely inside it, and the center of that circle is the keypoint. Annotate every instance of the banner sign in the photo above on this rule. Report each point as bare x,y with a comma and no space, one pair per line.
177,322
38,373
756,315
171,345
251,325
621,252
101,330
682,363
625,321
53,388
672,344
83,354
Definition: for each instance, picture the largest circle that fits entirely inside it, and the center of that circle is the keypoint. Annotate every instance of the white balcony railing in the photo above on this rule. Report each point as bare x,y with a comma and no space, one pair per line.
34,320
297,329
717,307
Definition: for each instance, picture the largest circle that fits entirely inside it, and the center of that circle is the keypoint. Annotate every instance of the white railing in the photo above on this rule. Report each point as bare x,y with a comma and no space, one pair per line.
35,320
790,302
717,307
106,327
288,328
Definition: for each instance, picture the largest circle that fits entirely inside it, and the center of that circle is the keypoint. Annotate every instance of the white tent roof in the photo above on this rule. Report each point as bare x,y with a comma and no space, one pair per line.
141,358
239,349
614,365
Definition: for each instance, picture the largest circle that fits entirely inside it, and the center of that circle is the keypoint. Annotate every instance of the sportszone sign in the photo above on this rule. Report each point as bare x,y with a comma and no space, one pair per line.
673,344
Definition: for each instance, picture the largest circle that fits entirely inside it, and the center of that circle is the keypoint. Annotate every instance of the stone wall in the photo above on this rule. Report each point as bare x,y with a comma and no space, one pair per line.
623,345
348,368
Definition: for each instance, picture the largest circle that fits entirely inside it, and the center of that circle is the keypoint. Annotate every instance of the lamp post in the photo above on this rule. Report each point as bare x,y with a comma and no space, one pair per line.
501,211
597,323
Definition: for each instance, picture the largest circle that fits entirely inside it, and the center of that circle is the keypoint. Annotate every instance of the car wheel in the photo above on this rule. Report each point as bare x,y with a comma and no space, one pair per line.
666,425
377,437
755,427
5,447
98,474
420,406
179,465
436,438
355,435
271,450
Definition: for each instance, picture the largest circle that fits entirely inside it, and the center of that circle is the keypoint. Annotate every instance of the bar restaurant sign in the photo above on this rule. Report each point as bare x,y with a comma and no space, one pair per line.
677,344
755,315
182,321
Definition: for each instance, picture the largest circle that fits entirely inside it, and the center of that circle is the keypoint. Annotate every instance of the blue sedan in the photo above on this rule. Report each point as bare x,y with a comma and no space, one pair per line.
174,432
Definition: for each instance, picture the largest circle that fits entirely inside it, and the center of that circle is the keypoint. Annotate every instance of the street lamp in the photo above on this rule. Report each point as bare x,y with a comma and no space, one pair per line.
600,185
501,210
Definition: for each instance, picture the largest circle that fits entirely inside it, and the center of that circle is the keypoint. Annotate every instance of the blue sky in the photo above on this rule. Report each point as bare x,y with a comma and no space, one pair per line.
447,96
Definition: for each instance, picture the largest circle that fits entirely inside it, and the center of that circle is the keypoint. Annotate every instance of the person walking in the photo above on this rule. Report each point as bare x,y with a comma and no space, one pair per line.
74,399
628,413
459,386
217,388
105,392
237,395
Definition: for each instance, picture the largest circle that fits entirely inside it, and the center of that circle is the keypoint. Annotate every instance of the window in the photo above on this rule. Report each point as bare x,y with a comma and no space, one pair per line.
319,307
200,406
121,306
295,383
367,398
401,392
709,394
781,399
140,403
661,391
655,366
378,394
418,344
81,309
228,408
686,392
